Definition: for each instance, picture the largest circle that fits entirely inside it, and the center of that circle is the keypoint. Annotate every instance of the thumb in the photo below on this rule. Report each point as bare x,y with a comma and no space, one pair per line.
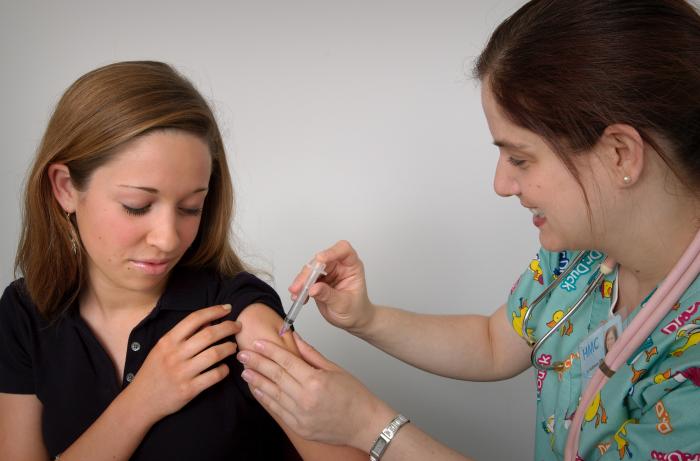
311,355
321,292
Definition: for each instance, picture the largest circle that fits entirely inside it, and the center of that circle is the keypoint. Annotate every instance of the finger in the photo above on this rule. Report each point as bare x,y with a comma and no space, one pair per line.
208,336
193,322
278,356
321,292
273,370
209,357
209,378
311,355
274,408
341,252
298,282
273,391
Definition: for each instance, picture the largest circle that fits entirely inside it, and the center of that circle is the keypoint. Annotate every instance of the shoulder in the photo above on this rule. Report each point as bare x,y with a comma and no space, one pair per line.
202,287
245,289
20,326
16,305
544,267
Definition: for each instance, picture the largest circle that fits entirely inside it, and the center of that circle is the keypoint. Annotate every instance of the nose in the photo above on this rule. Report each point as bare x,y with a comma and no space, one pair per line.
164,233
504,183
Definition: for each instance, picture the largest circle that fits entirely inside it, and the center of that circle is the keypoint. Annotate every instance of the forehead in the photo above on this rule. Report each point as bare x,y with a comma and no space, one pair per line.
160,158
502,128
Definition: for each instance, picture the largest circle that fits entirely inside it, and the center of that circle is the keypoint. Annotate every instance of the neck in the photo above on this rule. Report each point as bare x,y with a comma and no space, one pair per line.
108,300
647,253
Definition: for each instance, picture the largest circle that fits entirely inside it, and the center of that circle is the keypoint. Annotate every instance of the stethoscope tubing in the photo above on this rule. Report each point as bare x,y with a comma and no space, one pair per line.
533,354
528,313
656,308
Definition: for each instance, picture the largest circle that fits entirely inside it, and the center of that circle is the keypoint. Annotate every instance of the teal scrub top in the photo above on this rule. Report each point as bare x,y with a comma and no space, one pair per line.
650,408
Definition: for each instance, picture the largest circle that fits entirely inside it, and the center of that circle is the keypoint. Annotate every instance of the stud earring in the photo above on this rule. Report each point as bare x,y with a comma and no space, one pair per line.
626,179
73,238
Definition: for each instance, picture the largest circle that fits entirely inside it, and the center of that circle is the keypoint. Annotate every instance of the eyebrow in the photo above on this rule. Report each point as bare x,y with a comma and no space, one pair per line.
152,190
512,145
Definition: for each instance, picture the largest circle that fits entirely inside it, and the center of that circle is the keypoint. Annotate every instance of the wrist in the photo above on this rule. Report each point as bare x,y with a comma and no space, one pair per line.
364,328
386,436
137,410
377,415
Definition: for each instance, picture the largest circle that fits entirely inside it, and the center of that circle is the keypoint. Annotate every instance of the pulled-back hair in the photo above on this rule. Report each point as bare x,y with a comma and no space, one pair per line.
97,114
567,69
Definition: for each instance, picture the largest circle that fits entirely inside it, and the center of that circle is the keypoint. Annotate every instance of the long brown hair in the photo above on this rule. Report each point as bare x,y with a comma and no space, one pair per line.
567,69
101,111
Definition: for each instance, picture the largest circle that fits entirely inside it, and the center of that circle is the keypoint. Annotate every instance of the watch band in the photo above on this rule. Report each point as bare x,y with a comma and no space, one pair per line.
385,437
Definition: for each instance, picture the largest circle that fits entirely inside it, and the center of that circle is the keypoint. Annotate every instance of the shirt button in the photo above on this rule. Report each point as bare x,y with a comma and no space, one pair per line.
129,377
135,346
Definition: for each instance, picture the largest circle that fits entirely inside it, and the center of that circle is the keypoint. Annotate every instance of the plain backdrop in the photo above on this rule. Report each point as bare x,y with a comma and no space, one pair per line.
343,120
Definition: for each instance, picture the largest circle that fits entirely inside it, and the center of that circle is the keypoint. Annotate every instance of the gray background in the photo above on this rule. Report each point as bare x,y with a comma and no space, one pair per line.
343,120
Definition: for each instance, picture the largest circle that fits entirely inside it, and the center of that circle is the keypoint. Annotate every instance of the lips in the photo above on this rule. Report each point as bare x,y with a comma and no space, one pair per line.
538,218
151,266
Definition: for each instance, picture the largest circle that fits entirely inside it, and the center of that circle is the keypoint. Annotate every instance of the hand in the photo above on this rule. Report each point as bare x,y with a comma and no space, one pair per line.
341,295
318,400
174,371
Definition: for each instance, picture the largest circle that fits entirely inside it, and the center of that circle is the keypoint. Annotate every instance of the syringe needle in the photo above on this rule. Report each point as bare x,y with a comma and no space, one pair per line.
316,272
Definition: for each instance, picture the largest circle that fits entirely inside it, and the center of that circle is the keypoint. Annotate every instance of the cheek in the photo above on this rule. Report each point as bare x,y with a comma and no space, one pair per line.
107,230
188,231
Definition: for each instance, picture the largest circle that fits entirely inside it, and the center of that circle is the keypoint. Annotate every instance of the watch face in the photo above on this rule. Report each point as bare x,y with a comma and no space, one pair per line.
379,446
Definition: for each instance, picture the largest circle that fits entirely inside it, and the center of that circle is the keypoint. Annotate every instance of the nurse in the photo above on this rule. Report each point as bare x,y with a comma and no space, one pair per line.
595,110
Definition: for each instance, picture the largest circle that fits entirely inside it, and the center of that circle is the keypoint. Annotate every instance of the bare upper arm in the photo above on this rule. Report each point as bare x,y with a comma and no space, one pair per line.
510,352
20,428
261,322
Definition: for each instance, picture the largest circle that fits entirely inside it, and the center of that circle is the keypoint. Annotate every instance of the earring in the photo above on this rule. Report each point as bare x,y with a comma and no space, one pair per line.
626,179
73,237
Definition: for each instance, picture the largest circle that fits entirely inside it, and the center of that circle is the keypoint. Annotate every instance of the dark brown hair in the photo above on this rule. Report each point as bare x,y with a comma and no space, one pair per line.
567,69
97,114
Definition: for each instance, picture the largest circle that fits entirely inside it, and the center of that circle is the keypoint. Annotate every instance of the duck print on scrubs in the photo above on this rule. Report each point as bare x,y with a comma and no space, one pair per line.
648,410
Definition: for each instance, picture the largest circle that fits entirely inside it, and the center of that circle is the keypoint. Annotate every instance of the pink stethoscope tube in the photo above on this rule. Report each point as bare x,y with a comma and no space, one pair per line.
667,294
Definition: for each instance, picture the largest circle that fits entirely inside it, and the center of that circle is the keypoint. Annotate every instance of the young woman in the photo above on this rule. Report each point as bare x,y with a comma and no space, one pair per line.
117,343
595,109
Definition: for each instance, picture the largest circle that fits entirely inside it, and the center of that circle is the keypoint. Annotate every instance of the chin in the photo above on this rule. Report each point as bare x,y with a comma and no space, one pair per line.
553,244
145,283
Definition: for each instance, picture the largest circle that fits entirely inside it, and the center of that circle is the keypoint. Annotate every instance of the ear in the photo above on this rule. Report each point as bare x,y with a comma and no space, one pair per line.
62,187
623,149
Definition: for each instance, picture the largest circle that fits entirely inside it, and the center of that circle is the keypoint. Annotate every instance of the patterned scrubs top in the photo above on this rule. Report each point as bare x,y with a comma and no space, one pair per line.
650,408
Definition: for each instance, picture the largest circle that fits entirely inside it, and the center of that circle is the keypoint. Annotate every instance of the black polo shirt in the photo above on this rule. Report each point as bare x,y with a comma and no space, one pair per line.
74,378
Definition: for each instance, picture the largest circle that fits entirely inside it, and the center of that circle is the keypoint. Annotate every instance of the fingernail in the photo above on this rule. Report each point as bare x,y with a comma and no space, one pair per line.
238,324
246,375
257,392
227,307
243,357
259,345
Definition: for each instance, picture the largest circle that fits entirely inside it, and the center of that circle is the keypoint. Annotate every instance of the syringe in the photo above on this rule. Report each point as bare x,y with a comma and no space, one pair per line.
316,272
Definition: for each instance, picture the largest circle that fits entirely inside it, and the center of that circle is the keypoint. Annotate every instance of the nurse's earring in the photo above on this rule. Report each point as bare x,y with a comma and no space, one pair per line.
626,179
73,236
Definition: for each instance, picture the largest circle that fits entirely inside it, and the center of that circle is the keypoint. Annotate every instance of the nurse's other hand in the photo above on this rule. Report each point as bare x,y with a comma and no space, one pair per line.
314,397
341,295
184,362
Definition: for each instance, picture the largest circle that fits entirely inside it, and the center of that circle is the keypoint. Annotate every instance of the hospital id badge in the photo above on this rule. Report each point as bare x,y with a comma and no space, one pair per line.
593,349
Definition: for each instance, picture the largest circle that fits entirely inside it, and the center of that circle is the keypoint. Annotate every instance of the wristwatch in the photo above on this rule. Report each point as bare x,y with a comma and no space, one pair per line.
385,437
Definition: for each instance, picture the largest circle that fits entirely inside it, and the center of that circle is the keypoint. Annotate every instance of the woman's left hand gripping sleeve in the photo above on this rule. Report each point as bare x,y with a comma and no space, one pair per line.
667,430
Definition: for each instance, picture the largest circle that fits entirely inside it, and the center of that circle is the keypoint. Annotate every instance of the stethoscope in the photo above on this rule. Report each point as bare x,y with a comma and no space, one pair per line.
657,307
605,268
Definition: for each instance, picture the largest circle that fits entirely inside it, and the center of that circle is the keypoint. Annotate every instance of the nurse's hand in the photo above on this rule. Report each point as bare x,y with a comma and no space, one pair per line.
314,397
341,295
